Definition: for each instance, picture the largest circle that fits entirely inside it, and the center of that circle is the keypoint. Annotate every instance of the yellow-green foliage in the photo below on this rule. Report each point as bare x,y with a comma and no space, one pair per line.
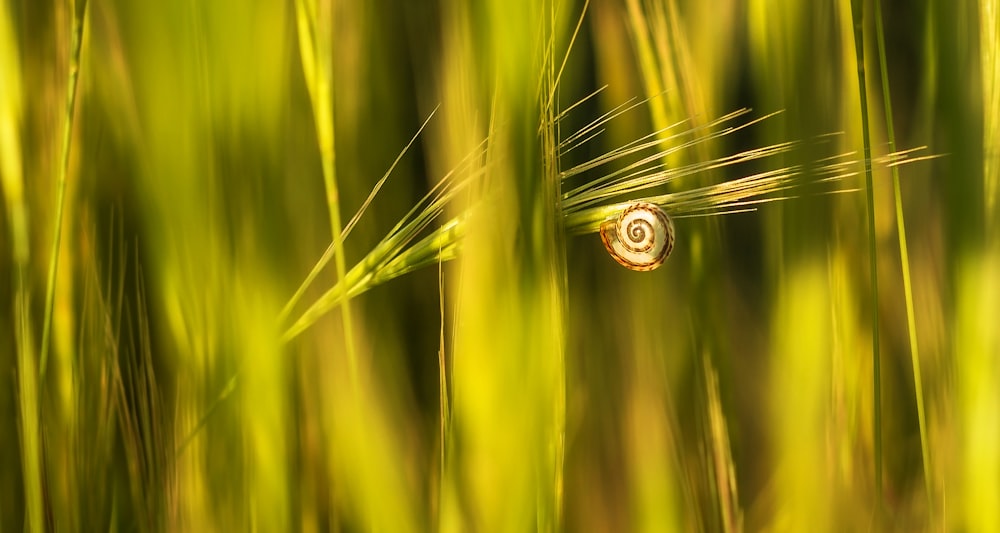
323,265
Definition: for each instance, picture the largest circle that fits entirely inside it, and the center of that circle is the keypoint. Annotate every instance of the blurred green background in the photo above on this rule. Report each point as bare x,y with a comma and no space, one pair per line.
199,157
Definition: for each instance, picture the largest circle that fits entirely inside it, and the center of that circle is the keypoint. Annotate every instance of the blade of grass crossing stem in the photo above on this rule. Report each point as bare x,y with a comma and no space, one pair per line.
904,258
67,134
507,465
328,253
315,25
857,14
62,478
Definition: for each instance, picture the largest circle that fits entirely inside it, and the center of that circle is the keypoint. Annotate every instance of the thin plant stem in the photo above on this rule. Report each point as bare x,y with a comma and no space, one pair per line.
857,14
29,411
444,407
67,134
911,321
315,27
349,226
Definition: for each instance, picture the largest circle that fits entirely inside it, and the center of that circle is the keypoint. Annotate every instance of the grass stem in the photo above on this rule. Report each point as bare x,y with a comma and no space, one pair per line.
315,27
857,13
67,134
904,258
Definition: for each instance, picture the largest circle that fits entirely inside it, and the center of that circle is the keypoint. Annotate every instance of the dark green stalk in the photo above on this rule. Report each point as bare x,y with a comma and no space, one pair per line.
857,13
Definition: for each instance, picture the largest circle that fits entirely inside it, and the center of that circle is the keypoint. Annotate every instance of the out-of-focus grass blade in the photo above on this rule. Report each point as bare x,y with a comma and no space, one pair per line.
11,172
989,49
800,392
857,13
728,501
976,339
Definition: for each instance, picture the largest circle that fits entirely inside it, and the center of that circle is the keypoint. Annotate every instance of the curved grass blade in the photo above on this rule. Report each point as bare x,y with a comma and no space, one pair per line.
400,251
329,253
369,271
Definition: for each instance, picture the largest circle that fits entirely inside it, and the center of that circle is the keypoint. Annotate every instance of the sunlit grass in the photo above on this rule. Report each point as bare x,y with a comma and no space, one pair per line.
26,419
332,265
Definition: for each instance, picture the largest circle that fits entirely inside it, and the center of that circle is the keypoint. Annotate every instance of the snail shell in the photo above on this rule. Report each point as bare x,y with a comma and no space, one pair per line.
640,238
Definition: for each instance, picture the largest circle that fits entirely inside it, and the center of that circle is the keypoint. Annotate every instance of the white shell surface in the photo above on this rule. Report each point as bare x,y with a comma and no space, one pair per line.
640,238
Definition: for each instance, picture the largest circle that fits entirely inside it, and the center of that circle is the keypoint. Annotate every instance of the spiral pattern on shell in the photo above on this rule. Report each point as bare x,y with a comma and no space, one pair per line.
640,238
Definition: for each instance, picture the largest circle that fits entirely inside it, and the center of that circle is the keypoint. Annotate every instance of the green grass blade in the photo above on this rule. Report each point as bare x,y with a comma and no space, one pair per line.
857,14
904,258
395,256
79,16
977,304
11,172
330,251
28,401
315,20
